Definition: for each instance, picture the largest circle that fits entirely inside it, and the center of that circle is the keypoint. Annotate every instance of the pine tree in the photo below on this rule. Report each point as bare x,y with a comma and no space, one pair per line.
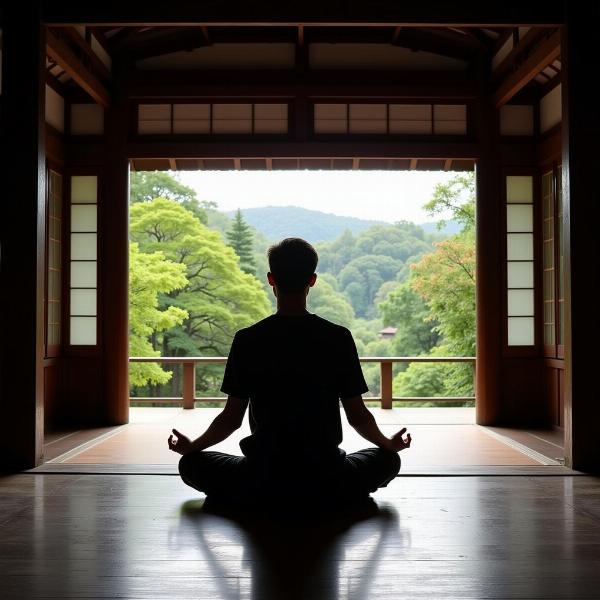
240,238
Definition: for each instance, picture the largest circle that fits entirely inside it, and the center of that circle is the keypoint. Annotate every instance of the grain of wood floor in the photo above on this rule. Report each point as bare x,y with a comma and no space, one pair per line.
147,536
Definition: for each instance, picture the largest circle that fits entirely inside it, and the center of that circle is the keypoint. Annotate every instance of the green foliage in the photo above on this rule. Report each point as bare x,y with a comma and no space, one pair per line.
240,238
421,380
145,186
406,310
324,300
458,197
445,280
400,242
149,276
384,275
218,297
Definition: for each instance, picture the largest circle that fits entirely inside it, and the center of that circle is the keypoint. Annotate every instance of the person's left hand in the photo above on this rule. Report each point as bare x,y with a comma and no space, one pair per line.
180,444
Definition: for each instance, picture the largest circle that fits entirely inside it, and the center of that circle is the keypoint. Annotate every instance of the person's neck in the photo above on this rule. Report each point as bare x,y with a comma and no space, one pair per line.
291,305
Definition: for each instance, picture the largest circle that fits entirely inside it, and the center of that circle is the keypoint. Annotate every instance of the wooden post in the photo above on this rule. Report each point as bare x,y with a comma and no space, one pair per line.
22,244
489,317
189,384
581,214
114,261
386,384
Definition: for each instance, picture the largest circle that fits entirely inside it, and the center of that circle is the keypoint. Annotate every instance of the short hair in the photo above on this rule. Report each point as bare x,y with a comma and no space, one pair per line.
292,262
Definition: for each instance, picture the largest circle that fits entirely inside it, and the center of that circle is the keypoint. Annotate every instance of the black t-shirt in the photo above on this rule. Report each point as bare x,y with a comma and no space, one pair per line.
294,369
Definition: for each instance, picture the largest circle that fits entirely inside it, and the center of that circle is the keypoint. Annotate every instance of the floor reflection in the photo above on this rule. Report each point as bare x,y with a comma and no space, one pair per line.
307,555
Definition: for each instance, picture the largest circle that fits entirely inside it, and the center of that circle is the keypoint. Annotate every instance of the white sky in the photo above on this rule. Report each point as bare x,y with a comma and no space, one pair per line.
381,195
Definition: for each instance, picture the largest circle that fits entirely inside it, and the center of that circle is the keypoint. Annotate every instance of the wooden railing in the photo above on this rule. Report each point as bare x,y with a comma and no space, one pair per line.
386,363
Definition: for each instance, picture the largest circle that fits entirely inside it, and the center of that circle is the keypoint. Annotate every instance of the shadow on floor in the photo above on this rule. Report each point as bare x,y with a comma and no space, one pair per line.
293,555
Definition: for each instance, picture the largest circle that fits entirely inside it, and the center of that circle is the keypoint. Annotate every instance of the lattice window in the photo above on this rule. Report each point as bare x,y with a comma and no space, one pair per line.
218,118
520,261
548,263
84,260
54,262
553,263
385,118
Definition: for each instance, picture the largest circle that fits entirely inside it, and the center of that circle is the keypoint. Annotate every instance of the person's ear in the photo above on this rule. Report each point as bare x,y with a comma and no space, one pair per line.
270,279
312,280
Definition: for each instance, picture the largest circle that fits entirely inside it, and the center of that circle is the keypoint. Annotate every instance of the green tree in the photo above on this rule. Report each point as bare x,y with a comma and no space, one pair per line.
145,186
149,276
362,277
456,196
406,310
445,280
324,300
240,238
219,297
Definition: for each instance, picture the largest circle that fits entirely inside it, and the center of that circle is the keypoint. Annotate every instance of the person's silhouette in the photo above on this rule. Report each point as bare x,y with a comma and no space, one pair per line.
292,368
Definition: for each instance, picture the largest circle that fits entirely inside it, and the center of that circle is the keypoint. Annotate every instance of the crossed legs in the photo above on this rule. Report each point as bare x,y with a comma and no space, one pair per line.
231,478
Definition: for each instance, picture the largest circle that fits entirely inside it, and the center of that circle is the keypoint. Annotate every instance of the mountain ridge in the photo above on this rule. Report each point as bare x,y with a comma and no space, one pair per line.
277,222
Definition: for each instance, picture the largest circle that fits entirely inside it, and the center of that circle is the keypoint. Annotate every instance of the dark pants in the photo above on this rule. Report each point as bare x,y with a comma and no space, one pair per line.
235,479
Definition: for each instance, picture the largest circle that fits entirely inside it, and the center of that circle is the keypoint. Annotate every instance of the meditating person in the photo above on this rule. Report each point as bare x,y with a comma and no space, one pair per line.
292,369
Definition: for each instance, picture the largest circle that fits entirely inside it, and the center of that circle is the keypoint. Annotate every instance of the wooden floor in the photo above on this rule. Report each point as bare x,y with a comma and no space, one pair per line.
441,437
147,536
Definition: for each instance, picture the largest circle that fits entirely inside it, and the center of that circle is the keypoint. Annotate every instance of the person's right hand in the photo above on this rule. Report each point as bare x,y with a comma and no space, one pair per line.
398,443
180,444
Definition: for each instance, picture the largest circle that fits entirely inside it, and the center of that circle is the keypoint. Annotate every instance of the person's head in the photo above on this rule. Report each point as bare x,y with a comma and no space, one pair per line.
292,264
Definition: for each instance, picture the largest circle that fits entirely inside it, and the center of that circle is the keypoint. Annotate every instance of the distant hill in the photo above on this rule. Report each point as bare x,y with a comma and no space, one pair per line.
277,222
450,228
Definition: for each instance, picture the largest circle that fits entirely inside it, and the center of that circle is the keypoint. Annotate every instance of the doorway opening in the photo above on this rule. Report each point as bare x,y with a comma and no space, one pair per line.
396,266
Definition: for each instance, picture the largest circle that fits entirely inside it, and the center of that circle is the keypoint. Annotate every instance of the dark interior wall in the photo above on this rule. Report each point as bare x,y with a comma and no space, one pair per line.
22,237
581,201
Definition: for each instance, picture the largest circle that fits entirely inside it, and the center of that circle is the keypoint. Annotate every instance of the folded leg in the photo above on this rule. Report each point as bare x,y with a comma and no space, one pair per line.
367,470
216,474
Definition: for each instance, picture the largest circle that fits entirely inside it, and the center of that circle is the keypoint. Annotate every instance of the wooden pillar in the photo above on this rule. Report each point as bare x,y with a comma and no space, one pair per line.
581,202
22,248
386,384
189,384
489,316
114,262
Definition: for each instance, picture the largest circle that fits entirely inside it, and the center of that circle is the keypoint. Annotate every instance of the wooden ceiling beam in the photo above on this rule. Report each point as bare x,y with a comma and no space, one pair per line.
547,52
206,34
435,42
260,12
396,35
174,41
61,54
121,35
477,34
85,47
528,41
429,85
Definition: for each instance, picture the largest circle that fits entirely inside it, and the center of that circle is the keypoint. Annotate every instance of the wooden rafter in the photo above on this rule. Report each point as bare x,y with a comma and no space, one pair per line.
301,50
526,43
206,34
484,40
436,41
85,48
546,53
167,41
62,55
396,35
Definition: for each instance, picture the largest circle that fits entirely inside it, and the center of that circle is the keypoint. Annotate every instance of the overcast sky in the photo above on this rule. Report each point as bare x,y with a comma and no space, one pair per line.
382,195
